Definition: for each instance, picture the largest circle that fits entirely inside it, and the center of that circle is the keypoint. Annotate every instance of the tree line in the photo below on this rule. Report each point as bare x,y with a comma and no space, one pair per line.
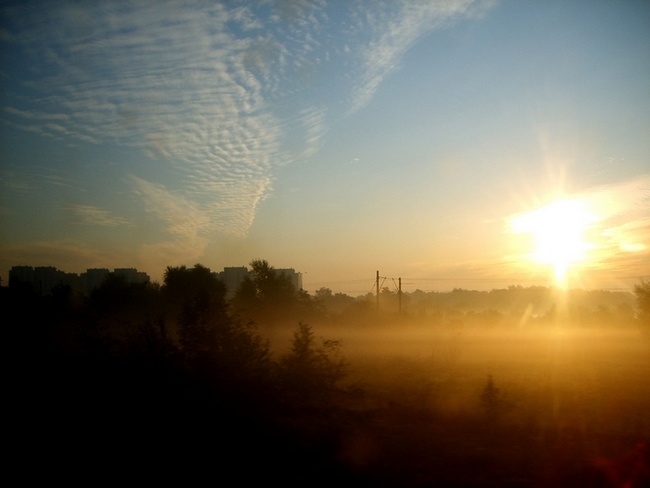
169,374
269,297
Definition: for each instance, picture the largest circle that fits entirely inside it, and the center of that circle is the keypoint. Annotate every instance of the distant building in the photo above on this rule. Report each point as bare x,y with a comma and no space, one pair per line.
47,277
295,277
93,277
21,274
233,277
132,275
42,279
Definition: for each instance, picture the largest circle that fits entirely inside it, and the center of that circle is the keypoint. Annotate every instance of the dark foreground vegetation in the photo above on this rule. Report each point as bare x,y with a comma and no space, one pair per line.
174,383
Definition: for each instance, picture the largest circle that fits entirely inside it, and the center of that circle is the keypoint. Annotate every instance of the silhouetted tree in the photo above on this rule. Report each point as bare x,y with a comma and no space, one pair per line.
310,372
332,302
323,294
118,305
214,343
306,307
267,295
493,401
642,292
184,285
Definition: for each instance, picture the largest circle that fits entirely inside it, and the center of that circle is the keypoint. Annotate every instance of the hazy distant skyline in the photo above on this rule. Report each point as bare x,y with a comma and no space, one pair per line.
336,138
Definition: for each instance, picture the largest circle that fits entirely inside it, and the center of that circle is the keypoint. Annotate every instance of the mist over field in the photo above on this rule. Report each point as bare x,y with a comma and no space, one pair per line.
175,380
483,398
590,378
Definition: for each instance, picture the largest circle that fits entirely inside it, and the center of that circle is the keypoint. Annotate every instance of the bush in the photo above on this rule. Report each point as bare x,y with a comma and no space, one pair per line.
309,372
642,292
493,401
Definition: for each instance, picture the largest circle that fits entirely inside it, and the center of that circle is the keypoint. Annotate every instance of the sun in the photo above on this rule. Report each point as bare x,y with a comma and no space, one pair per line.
558,229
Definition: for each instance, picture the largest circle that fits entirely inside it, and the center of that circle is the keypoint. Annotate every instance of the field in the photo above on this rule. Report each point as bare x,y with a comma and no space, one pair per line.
516,407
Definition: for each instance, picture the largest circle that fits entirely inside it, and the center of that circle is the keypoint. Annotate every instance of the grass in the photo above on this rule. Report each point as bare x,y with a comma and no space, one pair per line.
496,408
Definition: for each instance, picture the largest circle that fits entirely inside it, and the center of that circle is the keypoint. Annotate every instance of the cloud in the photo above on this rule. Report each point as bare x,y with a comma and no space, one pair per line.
394,28
618,236
182,216
11,181
186,225
36,115
220,94
91,215
31,181
622,234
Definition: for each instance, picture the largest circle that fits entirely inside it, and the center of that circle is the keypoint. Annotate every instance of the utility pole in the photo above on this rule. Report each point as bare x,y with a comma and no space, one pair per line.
377,291
399,294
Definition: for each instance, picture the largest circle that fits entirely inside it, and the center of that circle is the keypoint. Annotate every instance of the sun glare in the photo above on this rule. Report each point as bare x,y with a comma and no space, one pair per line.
557,229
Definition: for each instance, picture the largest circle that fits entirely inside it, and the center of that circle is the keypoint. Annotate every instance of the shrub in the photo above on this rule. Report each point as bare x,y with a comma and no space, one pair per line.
493,401
310,372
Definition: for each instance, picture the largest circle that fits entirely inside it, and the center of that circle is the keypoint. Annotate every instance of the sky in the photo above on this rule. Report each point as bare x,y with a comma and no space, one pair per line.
337,138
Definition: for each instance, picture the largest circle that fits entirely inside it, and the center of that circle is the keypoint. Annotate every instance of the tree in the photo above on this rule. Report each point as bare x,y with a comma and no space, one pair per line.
182,284
271,286
267,294
323,294
213,342
494,402
330,302
118,305
642,292
310,372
